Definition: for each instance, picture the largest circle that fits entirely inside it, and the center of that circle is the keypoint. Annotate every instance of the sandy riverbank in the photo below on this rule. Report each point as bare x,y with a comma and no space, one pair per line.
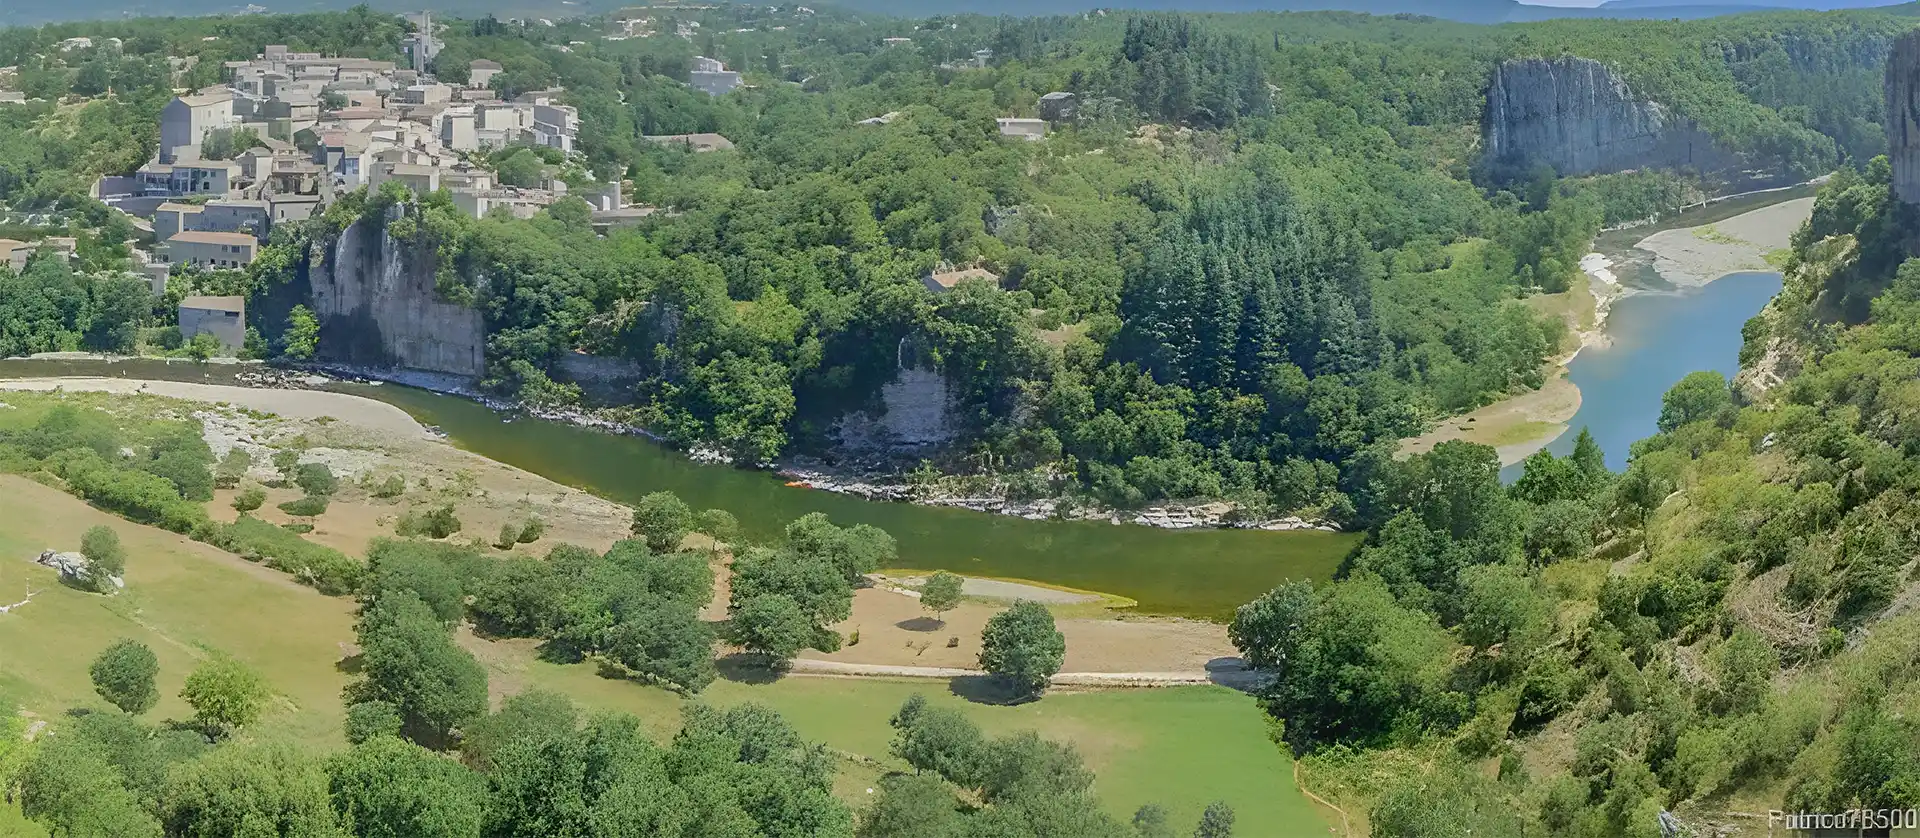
1695,256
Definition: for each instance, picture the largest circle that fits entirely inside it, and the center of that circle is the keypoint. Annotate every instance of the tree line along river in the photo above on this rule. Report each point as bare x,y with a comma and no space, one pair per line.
1657,338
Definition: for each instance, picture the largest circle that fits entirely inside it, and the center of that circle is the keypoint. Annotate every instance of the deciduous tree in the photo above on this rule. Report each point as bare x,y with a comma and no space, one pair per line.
124,673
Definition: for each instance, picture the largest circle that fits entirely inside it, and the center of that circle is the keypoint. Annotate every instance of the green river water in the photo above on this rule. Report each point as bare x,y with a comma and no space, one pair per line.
1195,573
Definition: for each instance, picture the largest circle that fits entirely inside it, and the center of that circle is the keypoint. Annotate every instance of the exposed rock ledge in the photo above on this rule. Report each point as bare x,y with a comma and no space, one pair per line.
1577,116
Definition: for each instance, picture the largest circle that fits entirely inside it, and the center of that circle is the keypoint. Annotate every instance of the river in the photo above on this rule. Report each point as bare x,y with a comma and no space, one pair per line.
1658,335
1193,573
1660,332
1657,338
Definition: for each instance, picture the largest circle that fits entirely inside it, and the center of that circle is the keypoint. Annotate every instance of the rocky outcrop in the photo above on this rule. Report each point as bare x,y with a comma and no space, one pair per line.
378,307
1577,116
1903,116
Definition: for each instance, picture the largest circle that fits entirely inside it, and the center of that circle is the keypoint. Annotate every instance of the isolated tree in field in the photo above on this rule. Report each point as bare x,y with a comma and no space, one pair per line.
225,695
772,625
105,558
719,525
663,519
1150,821
1022,646
938,739
123,675
1216,821
941,593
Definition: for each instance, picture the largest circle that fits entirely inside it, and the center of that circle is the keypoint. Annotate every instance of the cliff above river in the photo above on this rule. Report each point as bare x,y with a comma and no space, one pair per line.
1579,117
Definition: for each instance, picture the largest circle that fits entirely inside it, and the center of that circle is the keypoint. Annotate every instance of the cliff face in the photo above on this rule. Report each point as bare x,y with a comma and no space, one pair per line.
1903,116
1575,115
377,306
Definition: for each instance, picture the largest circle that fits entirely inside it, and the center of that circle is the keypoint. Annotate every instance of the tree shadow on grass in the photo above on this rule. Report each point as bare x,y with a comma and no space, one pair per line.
350,664
921,624
986,689
748,668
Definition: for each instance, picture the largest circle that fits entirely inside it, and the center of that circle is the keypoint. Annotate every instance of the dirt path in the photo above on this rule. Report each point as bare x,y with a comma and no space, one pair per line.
1236,677
998,589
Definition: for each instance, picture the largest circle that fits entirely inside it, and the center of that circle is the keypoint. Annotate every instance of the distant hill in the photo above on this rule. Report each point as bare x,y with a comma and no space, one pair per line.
1464,11
43,12
1813,5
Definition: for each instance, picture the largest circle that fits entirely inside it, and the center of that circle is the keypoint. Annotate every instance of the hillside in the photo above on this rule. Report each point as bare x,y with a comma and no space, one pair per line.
1131,349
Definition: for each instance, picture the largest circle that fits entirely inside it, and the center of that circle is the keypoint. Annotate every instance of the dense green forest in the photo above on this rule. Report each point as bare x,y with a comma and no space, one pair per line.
1718,629
1264,254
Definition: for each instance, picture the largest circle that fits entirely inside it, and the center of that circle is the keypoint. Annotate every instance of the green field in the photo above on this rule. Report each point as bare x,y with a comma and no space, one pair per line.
1179,747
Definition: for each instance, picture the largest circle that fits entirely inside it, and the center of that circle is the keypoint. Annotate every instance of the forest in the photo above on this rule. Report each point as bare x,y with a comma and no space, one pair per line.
1262,254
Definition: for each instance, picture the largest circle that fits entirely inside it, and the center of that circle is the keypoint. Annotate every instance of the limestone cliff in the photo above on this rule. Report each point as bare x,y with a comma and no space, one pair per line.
1577,116
377,306
1903,116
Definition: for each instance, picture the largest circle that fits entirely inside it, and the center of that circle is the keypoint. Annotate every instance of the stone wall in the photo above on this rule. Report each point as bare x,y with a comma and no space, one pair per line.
1575,115
377,306
602,379
1903,116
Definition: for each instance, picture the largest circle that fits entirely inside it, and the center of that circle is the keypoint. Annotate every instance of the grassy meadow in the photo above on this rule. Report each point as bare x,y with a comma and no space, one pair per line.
1179,747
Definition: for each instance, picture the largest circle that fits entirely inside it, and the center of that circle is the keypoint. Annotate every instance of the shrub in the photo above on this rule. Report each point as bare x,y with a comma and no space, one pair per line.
368,719
509,536
326,569
306,507
315,479
141,497
438,522
392,487
532,531
232,468
285,461
250,499
105,558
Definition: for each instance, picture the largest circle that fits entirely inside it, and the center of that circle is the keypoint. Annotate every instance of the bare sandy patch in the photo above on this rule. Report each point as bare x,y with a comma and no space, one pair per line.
896,631
1699,255
1514,427
290,404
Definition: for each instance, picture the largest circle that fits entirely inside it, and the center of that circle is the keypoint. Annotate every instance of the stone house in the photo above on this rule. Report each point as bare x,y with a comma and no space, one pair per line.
211,250
223,317
185,122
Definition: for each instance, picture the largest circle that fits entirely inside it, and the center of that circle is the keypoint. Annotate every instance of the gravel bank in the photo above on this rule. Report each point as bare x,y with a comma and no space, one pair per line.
1694,256
292,404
